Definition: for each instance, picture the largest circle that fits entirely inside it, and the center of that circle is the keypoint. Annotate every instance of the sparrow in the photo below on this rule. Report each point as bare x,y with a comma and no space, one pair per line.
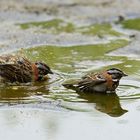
19,69
103,82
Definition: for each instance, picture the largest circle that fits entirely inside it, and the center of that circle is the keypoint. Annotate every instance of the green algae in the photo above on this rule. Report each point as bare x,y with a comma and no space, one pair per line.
132,24
99,29
64,58
131,67
43,24
59,26
55,25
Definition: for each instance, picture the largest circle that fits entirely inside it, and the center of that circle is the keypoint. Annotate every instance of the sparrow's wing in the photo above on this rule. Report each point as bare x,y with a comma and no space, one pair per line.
13,73
91,82
18,70
87,85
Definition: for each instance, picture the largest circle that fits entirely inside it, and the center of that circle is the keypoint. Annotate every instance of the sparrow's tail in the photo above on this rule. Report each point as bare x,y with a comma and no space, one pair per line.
72,84
69,86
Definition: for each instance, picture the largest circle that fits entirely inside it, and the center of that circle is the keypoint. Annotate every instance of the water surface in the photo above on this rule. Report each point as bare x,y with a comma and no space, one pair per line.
72,49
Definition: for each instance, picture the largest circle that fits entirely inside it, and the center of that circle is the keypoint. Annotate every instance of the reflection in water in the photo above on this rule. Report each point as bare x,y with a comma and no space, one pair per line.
26,93
106,103
15,93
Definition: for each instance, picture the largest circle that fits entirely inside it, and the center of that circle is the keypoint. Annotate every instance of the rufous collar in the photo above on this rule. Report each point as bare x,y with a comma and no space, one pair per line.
35,72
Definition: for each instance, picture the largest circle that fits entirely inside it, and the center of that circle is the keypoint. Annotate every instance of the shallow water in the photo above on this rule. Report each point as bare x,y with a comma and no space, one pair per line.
47,110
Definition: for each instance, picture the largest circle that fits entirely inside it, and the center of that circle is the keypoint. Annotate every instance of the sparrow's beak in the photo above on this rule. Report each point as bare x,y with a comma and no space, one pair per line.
124,74
50,72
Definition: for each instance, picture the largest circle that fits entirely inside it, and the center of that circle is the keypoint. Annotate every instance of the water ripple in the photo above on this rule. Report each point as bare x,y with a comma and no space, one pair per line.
129,89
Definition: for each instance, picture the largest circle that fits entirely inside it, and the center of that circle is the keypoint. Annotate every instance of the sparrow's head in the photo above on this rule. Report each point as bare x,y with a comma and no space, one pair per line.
43,69
116,73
